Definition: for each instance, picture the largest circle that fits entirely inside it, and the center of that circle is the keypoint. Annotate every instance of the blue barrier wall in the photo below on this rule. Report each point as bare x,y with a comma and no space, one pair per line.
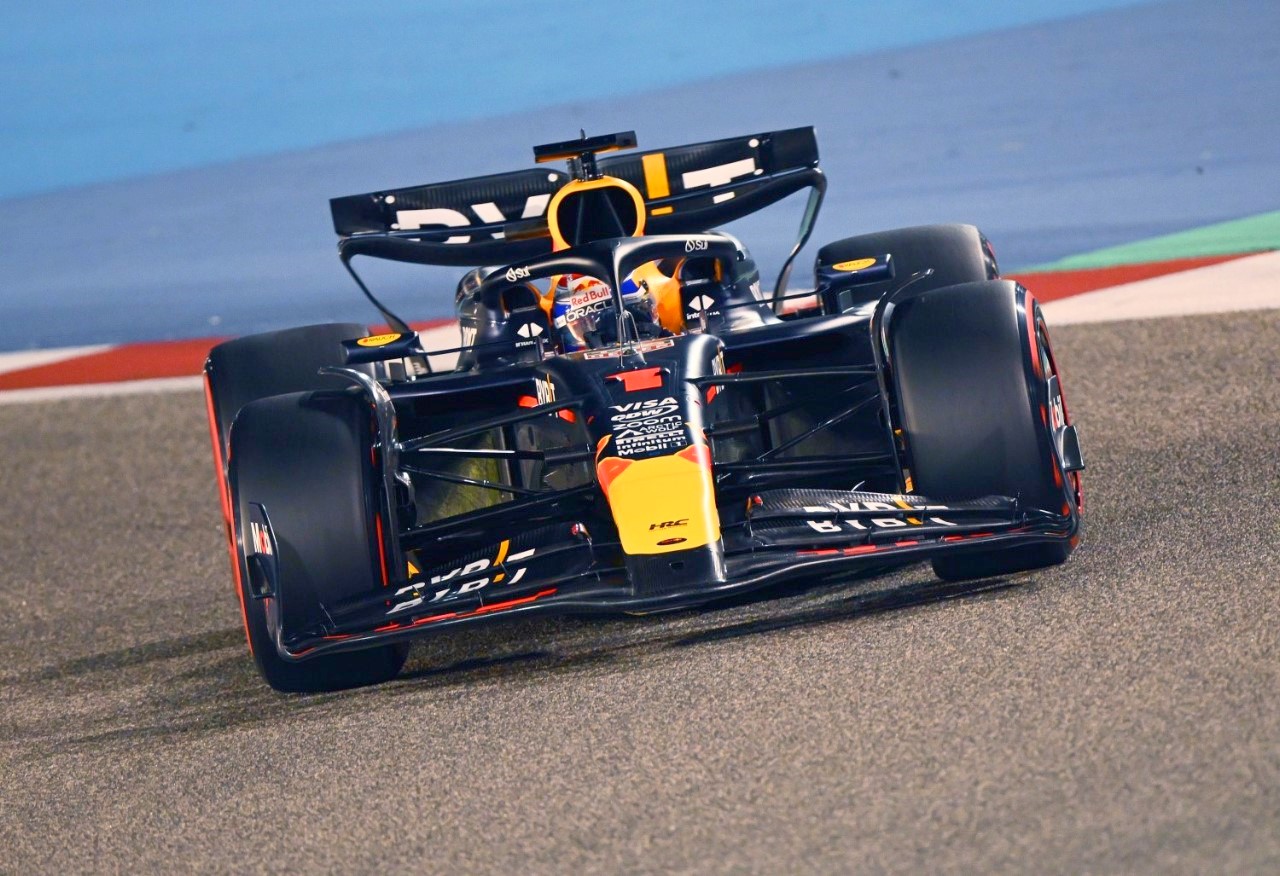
1055,137
103,91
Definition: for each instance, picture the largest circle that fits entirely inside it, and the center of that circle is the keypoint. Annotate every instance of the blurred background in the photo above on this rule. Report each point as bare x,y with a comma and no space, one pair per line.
167,167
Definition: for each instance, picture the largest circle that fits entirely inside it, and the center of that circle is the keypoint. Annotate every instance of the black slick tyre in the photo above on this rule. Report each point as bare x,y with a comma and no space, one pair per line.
305,458
971,401
259,366
955,253
245,369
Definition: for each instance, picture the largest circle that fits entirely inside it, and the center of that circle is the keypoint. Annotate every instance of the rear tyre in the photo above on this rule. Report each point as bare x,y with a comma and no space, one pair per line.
956,253
305,458
972,400
243,370
273,363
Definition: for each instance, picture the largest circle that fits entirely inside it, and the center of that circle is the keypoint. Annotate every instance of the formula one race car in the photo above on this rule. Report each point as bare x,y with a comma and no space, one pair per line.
631,426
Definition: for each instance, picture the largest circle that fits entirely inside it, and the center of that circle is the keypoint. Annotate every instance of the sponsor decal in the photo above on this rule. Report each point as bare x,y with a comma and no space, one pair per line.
586,295
668,524
650,346
830,526
641,347
260,538
591,294
529,330
650,426
670,541
569,316
701,305
720,174
545,391
378,340
854,265
513,274
488,213
695,245
644,409
463,579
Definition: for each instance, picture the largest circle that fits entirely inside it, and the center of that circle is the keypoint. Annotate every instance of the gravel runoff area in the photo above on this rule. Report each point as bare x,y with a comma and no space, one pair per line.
1118,714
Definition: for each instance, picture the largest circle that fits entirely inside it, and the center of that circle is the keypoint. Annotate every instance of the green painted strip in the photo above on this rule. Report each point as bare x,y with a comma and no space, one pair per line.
1251,234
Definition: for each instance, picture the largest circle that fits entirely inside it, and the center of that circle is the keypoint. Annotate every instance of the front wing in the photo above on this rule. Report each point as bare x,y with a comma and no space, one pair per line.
780,535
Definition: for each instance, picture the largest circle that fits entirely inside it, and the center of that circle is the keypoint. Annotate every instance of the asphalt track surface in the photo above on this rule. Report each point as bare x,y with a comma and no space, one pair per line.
1118,714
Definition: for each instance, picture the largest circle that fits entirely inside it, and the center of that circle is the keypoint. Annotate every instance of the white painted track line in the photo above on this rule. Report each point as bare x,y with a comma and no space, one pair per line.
100,390
1249,283
442,337
17,361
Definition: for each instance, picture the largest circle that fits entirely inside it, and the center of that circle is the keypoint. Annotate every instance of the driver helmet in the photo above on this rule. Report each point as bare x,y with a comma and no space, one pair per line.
584,313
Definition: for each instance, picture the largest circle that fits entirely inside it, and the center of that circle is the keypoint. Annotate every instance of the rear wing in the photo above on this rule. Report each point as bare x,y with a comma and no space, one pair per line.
500,219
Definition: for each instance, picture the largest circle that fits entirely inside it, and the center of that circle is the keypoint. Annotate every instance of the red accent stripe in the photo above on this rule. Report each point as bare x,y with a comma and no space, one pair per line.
131,362
484,609
609,468
1029,305
186,357
639,379
181,358
1052,285
224,495
215,438
511,603
382,549
698,454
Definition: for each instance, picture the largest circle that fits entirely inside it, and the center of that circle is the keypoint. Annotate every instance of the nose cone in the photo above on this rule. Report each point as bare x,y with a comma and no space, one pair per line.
662,504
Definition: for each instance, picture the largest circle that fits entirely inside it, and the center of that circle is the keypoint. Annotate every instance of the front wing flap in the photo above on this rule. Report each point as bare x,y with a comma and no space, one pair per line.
779,535
789,532
800,518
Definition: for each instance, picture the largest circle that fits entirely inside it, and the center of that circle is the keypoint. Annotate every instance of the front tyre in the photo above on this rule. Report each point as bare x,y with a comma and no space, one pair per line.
974,378
305,458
